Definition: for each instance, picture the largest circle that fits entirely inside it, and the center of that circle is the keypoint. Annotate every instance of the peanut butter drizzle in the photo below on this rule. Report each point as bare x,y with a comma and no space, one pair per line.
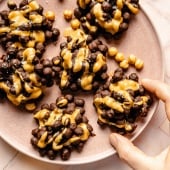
121,87
17,19
34,89
55,115
83,3
112,25
80,60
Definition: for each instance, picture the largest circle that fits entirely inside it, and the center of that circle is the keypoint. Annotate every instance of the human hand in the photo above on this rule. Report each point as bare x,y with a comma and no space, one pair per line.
132,155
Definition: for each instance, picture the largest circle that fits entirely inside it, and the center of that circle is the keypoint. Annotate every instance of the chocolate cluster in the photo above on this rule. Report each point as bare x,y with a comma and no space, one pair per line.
62,127
121,101
82,62
111,16
25,31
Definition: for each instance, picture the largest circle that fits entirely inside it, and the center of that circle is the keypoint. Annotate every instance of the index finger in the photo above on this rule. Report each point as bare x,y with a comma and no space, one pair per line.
161,90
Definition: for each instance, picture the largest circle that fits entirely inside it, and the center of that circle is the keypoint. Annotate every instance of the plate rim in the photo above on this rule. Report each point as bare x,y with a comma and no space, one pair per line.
109,152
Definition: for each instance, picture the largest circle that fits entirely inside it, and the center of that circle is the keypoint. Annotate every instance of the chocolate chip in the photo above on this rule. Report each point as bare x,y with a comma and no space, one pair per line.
55,34
77,13
47,71
57,125
68,133
89,39
106,6
47,63
134,76
43,152
104,76
118,75
63,45
126,16
4,15
34,141
110,114
12,90
2,23
11,51
23,39
85,119
78,118
45,106
23,3
103,48
65,154
82,110
48,35
40,48
53,106
40,10
69,97
39,68
78,131
80,146
11,5
73,87
79,102
51,154
15,63
47,24
124,26
73,126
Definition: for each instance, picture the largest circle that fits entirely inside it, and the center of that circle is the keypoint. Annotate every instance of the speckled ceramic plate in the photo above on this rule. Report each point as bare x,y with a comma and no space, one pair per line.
140,39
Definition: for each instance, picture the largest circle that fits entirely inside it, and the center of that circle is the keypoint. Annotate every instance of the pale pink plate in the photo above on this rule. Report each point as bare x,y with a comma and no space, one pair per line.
140,39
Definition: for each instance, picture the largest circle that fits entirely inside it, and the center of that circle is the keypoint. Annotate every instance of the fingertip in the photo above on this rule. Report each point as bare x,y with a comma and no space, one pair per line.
113,139
129,153
146,81
118,141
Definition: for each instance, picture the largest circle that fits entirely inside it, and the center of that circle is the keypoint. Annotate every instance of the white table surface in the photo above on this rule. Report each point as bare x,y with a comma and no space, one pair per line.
159,13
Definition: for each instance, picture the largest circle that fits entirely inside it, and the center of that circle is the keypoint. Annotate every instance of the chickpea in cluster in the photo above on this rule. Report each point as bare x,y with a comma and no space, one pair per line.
75,24
50,15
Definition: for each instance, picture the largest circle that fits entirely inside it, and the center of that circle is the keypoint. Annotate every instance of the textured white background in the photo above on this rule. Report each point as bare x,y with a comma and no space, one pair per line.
158,11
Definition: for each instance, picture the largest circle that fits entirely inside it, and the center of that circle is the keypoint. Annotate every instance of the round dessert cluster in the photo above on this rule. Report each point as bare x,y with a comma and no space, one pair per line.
82,61
121,101
62,127
111,16
24,33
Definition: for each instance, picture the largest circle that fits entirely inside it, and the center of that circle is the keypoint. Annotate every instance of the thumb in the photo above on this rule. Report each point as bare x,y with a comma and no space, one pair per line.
134,157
